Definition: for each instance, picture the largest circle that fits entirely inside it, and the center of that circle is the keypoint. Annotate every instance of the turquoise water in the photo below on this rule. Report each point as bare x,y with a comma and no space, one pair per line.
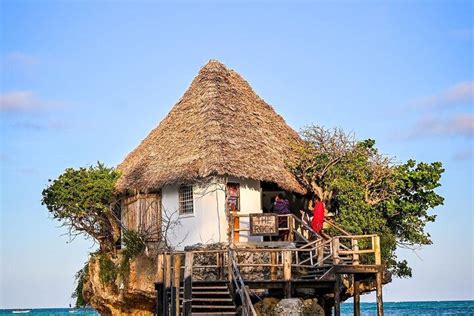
367,309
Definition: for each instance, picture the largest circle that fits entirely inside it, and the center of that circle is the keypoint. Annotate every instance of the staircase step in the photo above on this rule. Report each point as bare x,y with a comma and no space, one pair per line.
207,299
208,293
214,313
213,307
210,288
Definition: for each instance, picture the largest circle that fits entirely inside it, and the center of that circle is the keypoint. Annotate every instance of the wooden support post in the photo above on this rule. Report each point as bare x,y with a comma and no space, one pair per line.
159,268
159,285
287,272
378,276
337,295
167,282
356,295
355,247
273,268
220,265
291,228
335,251
176,282
378,284
187,287
159,298
320,252
378,256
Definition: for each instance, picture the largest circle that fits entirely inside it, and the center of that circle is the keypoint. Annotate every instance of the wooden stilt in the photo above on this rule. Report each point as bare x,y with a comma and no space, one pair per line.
167,282
378,276
378,283
287,272
187,295
176,283
356,296
159,285
337,295
159,298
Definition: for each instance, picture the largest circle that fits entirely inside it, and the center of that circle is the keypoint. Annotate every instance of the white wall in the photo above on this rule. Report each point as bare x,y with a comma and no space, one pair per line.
250,202
208,224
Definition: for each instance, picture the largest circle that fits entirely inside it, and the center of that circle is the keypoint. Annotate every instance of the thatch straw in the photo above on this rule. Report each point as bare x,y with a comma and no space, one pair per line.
219,127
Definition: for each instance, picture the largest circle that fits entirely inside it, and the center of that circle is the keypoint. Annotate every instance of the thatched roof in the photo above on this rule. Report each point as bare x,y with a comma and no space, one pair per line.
219,127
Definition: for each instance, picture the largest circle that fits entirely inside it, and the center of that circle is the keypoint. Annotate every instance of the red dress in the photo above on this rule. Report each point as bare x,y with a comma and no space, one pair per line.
318,217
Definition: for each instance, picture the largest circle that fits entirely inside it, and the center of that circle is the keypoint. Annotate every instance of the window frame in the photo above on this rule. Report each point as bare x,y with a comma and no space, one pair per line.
185,201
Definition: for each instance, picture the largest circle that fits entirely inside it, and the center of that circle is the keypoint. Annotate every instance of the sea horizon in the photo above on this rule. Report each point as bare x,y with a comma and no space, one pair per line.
396,308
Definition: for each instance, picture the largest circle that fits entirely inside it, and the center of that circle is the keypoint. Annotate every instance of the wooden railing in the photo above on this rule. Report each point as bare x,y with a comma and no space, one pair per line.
296,228
284,264
240,288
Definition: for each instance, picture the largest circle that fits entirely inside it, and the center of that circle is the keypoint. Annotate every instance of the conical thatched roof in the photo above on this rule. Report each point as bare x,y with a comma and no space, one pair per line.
219,127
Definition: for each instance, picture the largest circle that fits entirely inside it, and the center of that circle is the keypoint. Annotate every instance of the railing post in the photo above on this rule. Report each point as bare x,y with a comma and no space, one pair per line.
291,227
378,256
320,250
287,272
335,250
355,248
159,285
220,265
167,283
378,276
187,281
273,268
176,282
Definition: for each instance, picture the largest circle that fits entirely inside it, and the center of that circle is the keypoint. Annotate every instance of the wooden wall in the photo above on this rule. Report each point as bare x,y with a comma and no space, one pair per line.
142,213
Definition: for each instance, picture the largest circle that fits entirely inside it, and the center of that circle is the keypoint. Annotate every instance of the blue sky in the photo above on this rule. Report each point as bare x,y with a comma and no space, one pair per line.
86,81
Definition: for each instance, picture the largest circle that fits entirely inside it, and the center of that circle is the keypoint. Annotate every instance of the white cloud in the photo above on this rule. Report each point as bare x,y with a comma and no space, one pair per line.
461,92
21,59
458,125
20,101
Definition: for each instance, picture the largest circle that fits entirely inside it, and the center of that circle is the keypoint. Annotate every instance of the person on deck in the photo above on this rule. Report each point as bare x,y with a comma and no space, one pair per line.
281,207
318,215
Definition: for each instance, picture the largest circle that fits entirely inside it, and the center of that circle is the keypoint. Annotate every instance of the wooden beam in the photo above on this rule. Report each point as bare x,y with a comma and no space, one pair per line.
159,268
159,298
273,268
187,288
167,283
356,296
287,272
378,284
335,251
176,283
337,295
378,255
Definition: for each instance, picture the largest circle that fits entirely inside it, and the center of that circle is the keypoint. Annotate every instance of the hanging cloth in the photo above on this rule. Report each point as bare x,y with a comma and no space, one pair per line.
318,217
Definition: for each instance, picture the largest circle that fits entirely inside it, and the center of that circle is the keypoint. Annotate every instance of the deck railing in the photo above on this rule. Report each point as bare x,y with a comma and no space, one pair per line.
282,264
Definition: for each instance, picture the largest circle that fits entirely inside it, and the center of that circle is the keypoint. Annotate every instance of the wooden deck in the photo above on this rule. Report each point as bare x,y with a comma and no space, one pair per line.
306,261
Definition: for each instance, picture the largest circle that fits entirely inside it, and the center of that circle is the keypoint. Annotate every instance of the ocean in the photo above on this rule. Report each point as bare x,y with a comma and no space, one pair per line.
367,309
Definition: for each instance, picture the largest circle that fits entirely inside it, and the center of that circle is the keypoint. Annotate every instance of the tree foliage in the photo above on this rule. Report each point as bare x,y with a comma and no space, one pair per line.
83,201
81,278
367,191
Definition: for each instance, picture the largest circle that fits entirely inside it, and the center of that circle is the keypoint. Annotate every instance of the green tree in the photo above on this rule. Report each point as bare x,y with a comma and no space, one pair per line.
367,191
83,201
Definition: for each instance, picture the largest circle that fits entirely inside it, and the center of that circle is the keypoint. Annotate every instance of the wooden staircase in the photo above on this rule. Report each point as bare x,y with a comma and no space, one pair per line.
210,298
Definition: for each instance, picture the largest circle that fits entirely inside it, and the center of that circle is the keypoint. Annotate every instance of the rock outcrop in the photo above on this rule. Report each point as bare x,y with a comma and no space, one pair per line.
133,295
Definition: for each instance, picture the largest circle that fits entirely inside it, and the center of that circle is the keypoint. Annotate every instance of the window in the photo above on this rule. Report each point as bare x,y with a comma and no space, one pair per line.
185,193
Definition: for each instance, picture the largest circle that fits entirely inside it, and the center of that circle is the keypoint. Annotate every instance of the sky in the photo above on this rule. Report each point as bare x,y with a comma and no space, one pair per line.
86,81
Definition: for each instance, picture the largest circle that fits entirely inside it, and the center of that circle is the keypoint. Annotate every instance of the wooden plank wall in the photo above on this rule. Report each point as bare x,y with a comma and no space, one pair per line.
142,213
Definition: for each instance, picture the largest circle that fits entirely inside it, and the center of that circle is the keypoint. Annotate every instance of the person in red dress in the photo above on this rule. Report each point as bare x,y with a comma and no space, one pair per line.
318,215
